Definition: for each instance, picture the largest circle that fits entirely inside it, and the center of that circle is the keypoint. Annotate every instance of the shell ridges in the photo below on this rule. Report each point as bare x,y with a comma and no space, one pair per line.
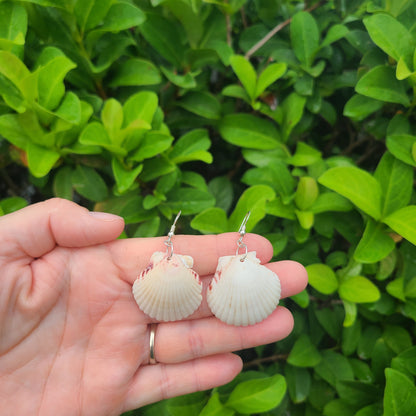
168,289
243,292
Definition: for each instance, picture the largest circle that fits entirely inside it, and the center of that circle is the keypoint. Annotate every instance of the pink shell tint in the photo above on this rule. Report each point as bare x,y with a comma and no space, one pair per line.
168,289
243,292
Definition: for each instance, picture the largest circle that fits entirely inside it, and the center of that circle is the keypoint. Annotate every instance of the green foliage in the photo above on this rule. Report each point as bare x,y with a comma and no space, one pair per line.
147,107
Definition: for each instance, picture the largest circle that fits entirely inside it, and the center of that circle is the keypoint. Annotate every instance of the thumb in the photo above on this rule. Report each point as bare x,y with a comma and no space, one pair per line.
37,229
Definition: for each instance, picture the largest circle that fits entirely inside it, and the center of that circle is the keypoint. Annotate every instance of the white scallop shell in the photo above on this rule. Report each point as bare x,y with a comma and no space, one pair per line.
168,289
243,292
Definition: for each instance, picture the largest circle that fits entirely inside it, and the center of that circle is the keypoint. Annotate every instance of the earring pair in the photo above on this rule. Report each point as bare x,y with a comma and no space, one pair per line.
242,291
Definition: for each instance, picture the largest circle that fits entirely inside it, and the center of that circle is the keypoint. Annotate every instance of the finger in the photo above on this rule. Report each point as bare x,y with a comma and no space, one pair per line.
133,255
293,276
187,340
157,382
36,229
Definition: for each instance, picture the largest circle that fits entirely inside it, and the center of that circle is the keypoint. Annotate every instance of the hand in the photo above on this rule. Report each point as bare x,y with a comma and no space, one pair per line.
73,340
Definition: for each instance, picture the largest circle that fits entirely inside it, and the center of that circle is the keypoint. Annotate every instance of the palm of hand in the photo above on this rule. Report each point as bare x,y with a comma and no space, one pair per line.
91,333
71,335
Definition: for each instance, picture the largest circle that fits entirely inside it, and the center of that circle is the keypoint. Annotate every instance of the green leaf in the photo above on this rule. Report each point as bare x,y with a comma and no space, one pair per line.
88,183
201,103
192,146
306,193
305,155
322,278
13,68
186,81
40,159
112,117
304,353
140,106
12,128
256,396
211,221
334,33
304,34
13,25
246,130
357,185
397,338
162,34
222,189
405,361
53,68
374,245
396,288
381,84
64,4
245,73
90,13
122,15
276,175
358,107
396,180
333,367
62,183
215,408
135,72
390,35
359,289
189,200
305,218
236,91
403,221
331,201
254,200
298,383
399,394
187,405
357,393
292,108
124,177
268,76
153,143
401,146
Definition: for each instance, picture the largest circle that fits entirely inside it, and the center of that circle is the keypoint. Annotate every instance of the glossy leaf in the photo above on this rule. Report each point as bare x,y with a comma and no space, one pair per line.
374,245
399,395
357,185
381,84
211,221
255,396
322,278
245,73
304,35
359,289
214,407
403,221
249,131
89,183
192,146
40,159
135,72
304,353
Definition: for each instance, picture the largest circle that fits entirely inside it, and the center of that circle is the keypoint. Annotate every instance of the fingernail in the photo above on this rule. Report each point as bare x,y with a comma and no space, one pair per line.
104,216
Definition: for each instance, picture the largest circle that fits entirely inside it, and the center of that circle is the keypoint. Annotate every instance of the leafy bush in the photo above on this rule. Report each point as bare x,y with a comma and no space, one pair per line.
142,108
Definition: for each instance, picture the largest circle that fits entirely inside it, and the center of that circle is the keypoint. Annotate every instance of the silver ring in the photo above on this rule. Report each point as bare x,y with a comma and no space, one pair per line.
152,358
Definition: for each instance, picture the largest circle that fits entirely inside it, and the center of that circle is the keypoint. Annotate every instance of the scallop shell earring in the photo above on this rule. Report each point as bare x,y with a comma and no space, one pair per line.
168,289
243,292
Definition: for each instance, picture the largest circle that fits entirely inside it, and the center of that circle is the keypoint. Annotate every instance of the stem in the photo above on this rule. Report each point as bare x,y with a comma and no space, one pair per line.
229,28
276,29
272,358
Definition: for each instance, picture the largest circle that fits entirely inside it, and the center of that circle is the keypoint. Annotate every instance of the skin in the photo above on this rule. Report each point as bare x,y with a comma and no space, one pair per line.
72,338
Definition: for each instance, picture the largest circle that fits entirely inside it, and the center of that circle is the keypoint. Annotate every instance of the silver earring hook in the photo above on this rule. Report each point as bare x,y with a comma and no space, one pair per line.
242,232
171,233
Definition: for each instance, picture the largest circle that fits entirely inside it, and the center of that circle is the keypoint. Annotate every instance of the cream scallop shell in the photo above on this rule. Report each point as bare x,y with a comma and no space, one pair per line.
168,289
243,292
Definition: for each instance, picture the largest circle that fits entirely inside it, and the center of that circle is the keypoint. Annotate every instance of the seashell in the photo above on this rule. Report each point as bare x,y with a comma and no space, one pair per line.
168,289
243,292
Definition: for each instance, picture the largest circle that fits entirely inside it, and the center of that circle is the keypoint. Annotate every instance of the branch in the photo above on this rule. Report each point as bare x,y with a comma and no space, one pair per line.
276,29
272,358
